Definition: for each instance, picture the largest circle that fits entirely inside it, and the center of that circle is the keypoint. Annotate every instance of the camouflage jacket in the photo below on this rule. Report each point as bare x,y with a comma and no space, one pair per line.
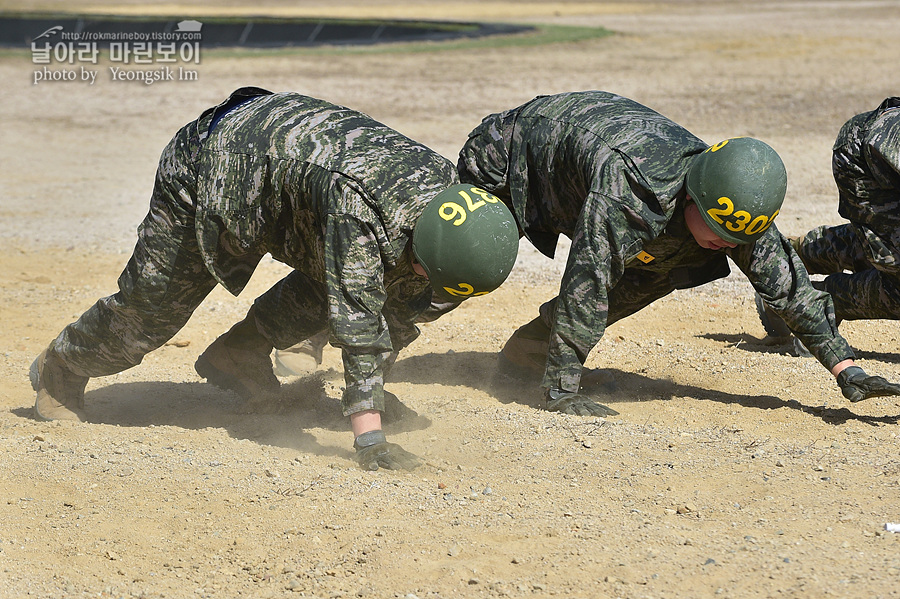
609,174
866,167
330,192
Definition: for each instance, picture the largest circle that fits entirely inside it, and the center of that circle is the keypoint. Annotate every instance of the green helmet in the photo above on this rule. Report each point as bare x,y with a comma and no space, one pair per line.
467,241
739,186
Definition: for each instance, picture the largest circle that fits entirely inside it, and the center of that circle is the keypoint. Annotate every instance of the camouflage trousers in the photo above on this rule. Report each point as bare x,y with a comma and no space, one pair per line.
637,289
870,290
165,280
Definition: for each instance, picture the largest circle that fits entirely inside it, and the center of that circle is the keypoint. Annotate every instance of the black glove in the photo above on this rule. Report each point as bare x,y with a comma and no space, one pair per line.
374,452
856,385
575,403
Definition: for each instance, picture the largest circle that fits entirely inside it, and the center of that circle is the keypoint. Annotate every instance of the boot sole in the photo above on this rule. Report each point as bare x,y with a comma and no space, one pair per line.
34,375
34,371
220,379
295,364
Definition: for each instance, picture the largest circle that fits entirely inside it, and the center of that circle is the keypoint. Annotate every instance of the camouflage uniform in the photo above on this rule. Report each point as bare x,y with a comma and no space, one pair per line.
866,166
326,190
609,174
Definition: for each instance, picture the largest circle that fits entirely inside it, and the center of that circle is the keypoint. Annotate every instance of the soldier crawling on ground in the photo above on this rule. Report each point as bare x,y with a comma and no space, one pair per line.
862,257
373,223
649,208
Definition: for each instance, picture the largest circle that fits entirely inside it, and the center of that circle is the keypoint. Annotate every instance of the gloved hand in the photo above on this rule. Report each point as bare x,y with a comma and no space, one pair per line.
374,452
856,385
575,403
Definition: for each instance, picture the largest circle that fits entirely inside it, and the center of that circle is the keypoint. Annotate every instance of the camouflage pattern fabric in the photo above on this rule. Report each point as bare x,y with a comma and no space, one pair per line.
866,167
609,174
870,290
324,189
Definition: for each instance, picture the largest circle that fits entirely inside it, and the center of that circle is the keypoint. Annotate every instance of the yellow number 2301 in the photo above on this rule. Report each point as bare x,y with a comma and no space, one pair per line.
740,221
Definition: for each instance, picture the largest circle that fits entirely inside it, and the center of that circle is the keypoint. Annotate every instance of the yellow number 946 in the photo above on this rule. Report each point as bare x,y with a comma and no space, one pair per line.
452,211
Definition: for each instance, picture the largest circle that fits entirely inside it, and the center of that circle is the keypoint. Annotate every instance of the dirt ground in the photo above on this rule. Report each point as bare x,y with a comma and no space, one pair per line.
735,469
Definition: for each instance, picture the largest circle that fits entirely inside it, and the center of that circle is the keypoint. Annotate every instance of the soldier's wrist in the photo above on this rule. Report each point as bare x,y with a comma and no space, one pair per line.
368,439
849,373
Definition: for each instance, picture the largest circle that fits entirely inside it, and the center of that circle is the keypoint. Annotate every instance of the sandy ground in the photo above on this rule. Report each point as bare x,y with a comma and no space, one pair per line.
734,470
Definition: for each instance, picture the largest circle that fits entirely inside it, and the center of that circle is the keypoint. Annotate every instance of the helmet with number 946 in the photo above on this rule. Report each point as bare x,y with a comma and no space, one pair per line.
739,185
466,241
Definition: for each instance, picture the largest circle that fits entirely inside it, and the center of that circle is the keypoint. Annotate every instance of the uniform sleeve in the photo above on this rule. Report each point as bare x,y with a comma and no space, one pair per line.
484,158
407,300
356,295
866,168
882,145
776,272
602,243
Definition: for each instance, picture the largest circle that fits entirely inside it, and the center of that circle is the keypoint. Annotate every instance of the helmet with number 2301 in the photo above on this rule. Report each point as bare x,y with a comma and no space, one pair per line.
739,185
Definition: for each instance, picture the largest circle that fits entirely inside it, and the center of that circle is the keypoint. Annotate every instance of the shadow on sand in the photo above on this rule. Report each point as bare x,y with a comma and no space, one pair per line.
285,419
